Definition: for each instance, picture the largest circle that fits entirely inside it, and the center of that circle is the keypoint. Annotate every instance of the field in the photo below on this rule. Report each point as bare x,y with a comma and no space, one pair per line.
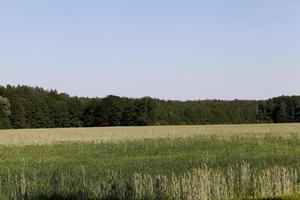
157,162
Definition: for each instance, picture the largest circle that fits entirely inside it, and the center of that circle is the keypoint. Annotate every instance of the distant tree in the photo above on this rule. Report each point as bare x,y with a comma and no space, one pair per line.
265,111
4,112
88,116
17,118
281,113
109,111
145,111
129,113
75,110
34,107
297,114
4,106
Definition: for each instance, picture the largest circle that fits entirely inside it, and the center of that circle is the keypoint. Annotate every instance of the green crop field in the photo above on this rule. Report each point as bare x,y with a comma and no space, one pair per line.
165,162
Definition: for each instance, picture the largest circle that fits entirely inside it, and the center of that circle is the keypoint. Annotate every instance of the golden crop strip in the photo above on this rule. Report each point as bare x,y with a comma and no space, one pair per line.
117,134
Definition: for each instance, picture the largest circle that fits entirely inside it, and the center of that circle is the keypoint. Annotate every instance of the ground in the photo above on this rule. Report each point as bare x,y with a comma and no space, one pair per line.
62,162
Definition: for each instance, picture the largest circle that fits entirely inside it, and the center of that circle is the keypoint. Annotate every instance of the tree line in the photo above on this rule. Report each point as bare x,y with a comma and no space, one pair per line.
34,107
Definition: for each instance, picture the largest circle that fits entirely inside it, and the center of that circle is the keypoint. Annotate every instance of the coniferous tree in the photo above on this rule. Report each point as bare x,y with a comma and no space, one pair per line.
4,112
281,113
34,107
18,118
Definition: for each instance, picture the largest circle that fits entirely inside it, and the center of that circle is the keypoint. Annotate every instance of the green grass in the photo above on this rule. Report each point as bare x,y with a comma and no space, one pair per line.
163,156
287,197
95,161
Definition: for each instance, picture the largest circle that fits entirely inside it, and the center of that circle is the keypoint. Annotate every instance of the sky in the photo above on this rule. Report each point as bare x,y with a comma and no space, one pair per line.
170,49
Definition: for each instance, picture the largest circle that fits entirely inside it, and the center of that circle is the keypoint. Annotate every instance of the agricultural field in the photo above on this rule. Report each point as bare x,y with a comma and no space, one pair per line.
258,161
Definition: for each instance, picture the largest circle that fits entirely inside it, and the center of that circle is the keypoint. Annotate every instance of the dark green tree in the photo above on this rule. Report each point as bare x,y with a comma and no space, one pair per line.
17,118
109,111
4,112
281,113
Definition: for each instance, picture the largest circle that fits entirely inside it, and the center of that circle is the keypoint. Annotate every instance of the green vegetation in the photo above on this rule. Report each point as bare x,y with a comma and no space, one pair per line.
244,166
4,112
155,156
39,108
169,162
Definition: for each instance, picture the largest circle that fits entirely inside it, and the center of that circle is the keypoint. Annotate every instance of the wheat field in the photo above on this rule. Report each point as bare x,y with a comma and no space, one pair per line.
119,134
210,162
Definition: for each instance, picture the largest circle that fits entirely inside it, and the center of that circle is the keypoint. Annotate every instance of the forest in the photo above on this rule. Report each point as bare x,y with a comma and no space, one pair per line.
35,107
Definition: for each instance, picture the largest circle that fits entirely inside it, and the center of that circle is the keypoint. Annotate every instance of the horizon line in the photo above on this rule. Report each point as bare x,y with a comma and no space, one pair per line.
139,97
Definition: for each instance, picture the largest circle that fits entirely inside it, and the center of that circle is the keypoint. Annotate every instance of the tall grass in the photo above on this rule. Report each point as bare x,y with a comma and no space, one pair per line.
200,183
173,162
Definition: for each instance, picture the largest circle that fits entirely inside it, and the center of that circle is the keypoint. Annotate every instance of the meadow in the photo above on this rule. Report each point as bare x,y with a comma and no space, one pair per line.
158,162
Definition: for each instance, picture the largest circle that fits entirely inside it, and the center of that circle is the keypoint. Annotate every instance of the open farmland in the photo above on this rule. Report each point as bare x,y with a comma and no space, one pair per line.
158,162
121,134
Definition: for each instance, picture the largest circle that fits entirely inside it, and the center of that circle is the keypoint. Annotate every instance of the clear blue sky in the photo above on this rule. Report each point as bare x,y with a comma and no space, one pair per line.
169,49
